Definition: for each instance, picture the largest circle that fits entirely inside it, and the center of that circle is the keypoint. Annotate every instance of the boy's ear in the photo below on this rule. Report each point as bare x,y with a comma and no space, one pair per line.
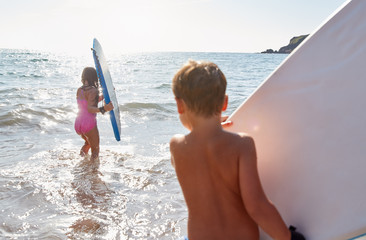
226,101
180,105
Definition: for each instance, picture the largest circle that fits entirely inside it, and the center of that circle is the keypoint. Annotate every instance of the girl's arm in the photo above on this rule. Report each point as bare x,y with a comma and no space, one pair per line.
92,96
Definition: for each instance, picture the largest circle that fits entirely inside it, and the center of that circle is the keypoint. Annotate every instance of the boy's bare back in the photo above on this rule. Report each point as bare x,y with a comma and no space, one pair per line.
207,168
217,170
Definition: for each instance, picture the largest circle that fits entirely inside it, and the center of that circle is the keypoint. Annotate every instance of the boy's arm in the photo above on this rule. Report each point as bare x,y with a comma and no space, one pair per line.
174,144
172,160
258,206
171,147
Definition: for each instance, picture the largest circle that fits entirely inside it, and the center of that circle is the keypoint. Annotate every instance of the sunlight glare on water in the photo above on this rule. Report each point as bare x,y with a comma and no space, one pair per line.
48,191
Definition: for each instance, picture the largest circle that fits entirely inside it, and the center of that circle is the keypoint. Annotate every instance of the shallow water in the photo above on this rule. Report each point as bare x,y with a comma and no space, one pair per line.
48,191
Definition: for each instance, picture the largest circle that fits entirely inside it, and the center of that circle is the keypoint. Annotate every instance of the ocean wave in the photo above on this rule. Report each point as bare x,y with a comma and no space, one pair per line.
22,75
130,62
8,120
11,73
39,60
9,90
142,113
15,52
142,106
23,115
164,86
32,75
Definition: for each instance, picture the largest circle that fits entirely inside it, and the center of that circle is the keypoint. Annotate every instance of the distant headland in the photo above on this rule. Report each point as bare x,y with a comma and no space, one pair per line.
294,42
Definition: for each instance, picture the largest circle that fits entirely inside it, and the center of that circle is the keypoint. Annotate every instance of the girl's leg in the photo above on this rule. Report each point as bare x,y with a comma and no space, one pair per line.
85,149
93,140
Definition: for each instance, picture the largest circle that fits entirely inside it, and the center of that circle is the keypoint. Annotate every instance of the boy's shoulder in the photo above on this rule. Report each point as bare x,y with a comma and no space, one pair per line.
177,139
242,142
239,137
245,137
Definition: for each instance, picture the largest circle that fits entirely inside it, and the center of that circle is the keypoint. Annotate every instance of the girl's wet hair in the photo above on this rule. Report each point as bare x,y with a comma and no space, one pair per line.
90,76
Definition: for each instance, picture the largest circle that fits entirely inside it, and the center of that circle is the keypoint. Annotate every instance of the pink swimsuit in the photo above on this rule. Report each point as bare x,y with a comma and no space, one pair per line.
85,121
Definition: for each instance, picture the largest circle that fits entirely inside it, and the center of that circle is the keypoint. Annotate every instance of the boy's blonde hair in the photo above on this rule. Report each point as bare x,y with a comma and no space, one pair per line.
202,87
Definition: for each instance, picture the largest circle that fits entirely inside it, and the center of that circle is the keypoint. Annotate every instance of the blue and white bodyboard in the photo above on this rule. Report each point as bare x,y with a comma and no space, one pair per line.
107,86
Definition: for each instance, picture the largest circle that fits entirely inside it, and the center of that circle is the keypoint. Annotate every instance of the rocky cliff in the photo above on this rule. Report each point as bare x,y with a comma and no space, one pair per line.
294,42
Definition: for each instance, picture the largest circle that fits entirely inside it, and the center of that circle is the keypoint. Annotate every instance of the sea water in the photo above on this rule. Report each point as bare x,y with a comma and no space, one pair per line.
48,191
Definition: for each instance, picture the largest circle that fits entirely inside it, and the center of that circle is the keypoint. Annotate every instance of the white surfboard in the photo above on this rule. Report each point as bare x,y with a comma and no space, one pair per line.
105,80
308,120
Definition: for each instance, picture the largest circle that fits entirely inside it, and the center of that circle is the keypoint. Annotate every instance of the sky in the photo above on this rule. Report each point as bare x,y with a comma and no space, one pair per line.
159,25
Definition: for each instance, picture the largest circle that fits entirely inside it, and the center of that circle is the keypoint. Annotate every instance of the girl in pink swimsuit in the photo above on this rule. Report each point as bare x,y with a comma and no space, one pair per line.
86,123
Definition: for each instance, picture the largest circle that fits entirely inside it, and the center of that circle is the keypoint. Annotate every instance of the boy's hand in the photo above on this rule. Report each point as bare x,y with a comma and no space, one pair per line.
296,235
108,107
225,123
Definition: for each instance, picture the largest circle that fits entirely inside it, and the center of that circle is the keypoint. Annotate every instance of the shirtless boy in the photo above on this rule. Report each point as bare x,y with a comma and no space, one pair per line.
216,169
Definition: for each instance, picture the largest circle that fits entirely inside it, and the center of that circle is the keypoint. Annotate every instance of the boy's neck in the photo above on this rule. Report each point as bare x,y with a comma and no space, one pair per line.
204,125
